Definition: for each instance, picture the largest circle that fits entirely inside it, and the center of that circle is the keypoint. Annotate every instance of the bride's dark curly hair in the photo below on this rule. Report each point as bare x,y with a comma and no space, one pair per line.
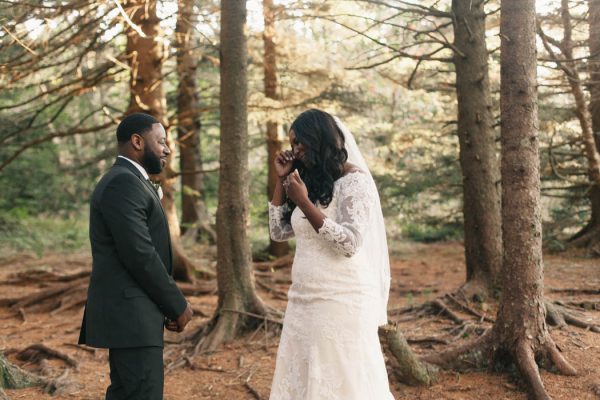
324,155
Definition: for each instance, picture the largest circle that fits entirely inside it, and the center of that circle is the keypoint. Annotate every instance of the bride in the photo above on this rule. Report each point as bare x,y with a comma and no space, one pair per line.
327,199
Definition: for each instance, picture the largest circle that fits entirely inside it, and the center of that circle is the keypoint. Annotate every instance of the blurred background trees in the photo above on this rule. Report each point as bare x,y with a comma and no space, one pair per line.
418,88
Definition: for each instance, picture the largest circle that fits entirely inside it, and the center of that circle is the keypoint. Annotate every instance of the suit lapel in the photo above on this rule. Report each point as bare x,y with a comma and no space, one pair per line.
157,197
124,163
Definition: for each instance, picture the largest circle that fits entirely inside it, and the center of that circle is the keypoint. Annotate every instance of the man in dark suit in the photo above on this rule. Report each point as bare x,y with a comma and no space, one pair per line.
132,297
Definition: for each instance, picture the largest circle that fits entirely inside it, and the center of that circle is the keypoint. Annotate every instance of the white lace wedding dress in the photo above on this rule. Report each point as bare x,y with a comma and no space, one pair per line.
329,346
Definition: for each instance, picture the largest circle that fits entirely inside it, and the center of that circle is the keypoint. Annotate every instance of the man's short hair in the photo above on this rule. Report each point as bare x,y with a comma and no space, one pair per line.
139,123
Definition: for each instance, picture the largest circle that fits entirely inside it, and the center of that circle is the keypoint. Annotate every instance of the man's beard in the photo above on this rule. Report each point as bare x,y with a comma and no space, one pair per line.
151,162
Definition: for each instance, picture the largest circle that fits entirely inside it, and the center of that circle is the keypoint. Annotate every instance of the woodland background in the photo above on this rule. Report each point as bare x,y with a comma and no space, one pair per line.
418,83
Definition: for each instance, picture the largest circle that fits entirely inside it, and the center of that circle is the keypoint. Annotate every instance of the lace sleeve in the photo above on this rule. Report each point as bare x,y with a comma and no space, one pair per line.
280,229
352,216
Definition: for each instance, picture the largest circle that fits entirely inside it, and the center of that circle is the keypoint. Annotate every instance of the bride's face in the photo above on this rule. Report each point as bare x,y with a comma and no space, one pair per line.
297,148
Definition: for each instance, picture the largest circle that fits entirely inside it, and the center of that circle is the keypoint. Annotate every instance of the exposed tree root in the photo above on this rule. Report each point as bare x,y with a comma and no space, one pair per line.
38,352
408,368
477,354
13,377
442,306
467,356
443,309
198,288
184,270
278,263
476,290
464,307
574,291
583,304
428,340
587,238
43,276
464,330
227,324
54,299
65,292
559,316
557,313
525,361
223,327
278,294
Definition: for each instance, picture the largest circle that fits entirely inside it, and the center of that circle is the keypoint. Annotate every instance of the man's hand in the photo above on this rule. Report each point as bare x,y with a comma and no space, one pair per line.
182,320
171,325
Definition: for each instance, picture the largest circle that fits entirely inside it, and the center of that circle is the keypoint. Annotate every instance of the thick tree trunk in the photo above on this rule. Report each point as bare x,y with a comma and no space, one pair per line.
145,57
237,294
188,126
521,327
520,333
480,167
277,249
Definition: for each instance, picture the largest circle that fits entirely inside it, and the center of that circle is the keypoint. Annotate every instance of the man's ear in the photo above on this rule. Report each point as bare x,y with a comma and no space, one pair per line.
137,141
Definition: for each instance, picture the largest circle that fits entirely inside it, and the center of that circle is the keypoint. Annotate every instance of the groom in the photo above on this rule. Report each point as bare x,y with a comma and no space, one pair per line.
132,297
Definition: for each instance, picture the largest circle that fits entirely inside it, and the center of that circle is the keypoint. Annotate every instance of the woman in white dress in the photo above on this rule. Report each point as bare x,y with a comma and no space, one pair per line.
327,200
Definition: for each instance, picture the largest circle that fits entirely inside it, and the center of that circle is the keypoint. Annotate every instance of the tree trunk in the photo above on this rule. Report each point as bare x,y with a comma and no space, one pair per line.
520,327
277,249
145,57
520,333
237,294
188,125
480,169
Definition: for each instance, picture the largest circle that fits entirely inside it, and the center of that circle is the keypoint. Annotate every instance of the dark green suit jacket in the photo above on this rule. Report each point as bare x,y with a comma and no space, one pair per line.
131,289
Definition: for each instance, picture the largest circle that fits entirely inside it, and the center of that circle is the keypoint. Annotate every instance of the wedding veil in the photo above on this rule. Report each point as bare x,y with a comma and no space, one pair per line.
375,241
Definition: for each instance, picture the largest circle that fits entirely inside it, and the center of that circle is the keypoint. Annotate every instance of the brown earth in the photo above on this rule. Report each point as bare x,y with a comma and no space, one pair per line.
420,273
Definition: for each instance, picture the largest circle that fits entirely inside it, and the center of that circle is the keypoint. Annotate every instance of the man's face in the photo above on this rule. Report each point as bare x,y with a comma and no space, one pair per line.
156,150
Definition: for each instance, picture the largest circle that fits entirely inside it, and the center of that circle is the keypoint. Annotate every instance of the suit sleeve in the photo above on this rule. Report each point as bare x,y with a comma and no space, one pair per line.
124,208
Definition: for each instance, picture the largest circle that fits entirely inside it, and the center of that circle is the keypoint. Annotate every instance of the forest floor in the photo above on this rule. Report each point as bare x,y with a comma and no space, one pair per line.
421,272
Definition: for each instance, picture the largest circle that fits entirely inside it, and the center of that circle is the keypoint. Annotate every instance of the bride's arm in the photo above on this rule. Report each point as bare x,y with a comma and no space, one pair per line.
347,231
279,229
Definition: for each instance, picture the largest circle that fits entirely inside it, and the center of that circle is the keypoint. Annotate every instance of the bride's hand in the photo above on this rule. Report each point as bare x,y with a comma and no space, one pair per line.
283,163
295,188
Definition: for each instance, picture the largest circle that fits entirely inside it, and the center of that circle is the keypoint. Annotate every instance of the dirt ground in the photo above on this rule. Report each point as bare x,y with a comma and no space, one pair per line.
420,273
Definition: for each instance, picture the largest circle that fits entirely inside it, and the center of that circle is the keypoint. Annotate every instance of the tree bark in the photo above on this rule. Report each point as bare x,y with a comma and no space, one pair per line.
405,363
520,333
145,56
521,323
235,279
188,121
479,163
277,249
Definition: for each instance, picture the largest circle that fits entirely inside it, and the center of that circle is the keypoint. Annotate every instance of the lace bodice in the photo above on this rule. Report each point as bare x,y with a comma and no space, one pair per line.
346,219
329,348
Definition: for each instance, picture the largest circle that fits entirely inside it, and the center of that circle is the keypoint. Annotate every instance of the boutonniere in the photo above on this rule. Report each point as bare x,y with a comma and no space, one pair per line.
157,188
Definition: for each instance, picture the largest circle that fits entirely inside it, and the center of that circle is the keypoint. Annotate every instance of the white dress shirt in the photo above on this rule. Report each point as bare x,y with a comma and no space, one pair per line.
138,166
